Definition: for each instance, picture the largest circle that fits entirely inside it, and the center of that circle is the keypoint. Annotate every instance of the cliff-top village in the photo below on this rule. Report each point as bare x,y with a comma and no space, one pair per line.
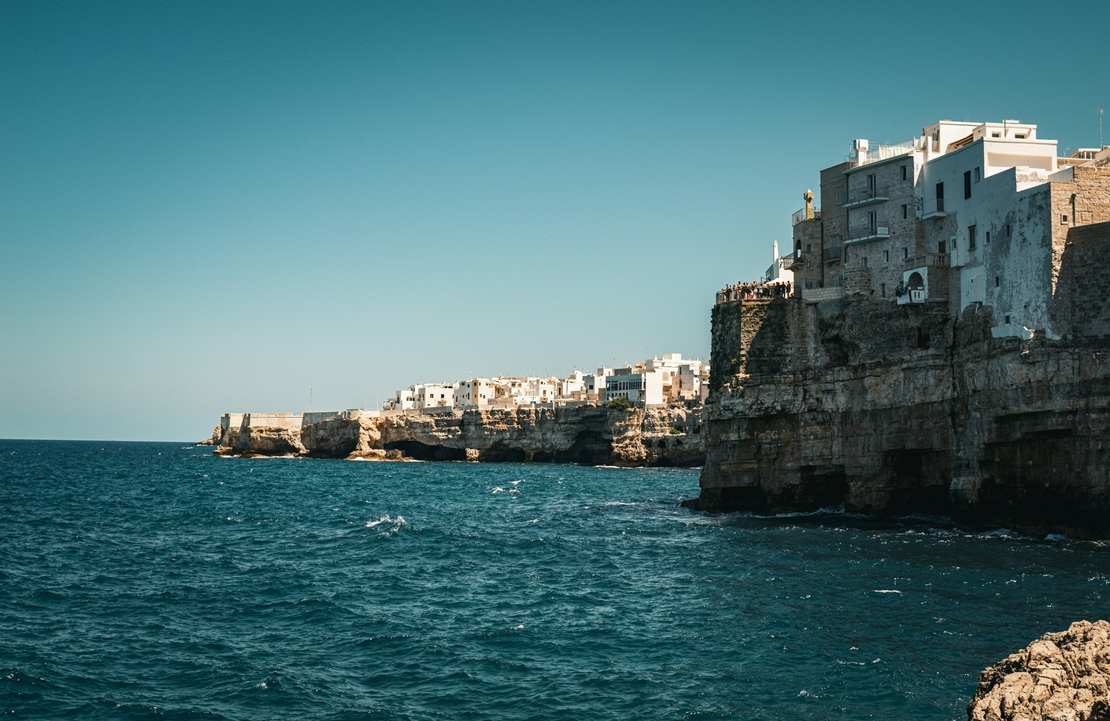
966,213
657,382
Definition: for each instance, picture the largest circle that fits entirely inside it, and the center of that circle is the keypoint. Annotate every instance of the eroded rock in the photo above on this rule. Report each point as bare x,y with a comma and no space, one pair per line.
1059,677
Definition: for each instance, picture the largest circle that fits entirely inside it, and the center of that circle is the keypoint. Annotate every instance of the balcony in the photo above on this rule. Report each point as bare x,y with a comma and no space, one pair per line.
828,254
924,261
865,198
874,233
798,260
800,215
933,208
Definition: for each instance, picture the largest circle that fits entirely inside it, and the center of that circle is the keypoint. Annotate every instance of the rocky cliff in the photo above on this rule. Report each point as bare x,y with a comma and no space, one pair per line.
1059,677
592,435
903,409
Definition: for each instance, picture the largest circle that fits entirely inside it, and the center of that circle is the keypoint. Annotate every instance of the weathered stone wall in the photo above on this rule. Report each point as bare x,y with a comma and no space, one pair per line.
1081,305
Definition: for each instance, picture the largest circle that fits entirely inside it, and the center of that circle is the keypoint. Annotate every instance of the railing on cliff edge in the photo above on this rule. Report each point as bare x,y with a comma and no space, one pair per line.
755,291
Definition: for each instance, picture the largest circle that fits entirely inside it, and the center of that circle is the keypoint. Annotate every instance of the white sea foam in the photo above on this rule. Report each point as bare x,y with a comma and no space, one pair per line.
497,489
394,524
887,590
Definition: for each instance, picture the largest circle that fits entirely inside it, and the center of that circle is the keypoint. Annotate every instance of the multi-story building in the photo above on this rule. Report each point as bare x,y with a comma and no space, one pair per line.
966,213
475,393
433,395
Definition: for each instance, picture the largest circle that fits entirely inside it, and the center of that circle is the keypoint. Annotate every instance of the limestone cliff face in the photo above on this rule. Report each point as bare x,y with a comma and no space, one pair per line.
902,409
586,434
1059,676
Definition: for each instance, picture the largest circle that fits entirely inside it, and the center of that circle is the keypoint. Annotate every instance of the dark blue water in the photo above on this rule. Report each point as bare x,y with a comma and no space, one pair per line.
143,580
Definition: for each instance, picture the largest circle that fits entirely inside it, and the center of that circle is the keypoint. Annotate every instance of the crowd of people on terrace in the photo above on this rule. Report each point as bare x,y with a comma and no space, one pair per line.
755,291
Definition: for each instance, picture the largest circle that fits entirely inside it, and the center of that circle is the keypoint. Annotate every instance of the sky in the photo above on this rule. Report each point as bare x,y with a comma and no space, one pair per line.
211,207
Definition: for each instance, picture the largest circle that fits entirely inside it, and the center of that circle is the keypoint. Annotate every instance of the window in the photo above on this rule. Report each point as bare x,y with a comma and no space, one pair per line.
988,237
971,237
905,211
940,247
996,135
886,256
903,172
1007,319
940,197
865,261
967,184
836,281
840,196
977,174
871,186
1020,136
905,253
882,289
1007,230
873,219
996,281
1064,219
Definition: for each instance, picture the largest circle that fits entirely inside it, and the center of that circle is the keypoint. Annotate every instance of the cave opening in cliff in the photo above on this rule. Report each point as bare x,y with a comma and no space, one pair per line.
423,452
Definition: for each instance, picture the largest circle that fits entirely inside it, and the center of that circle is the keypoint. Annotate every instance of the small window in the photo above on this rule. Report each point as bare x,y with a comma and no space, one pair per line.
971,237
1007,320
865,261
882,289
940,247
996,281
905,253
905,212
836,281
886,256
1020,136
967,184
1064,219
903,172
996,135
988,237
840,196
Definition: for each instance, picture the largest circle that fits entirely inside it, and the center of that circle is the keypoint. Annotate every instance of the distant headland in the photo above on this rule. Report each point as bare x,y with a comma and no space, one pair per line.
643,414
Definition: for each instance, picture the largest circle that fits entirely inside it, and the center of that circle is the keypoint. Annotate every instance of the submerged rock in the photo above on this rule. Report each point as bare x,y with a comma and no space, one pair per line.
1059,677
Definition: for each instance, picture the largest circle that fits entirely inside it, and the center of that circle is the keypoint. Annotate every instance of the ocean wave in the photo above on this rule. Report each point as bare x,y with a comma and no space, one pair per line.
392,525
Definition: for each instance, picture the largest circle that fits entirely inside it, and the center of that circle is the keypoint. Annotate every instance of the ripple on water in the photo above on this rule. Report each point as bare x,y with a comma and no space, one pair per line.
182,585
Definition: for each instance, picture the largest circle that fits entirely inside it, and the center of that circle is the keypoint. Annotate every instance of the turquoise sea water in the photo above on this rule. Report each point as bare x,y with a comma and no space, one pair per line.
155,580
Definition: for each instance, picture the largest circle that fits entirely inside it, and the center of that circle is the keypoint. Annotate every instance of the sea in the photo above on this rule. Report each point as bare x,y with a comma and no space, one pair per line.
155,580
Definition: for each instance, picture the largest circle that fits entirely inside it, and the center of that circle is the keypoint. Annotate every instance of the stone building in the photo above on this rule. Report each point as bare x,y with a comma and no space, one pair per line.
967,213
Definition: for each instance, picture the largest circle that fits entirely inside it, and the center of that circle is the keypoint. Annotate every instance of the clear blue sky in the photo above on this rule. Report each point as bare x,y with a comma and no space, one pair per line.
210,207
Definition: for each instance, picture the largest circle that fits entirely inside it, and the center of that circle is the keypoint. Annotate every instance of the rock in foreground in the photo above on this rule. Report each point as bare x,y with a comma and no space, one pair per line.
1059,677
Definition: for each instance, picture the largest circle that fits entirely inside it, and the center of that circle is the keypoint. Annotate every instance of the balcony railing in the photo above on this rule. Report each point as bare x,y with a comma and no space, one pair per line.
933,208
880,231
929,259
800,215
832,253
865,198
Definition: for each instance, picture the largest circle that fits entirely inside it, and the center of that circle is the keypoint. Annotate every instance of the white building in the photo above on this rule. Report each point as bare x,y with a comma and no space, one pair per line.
433,395
402,401
644,387
475,393
780,268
